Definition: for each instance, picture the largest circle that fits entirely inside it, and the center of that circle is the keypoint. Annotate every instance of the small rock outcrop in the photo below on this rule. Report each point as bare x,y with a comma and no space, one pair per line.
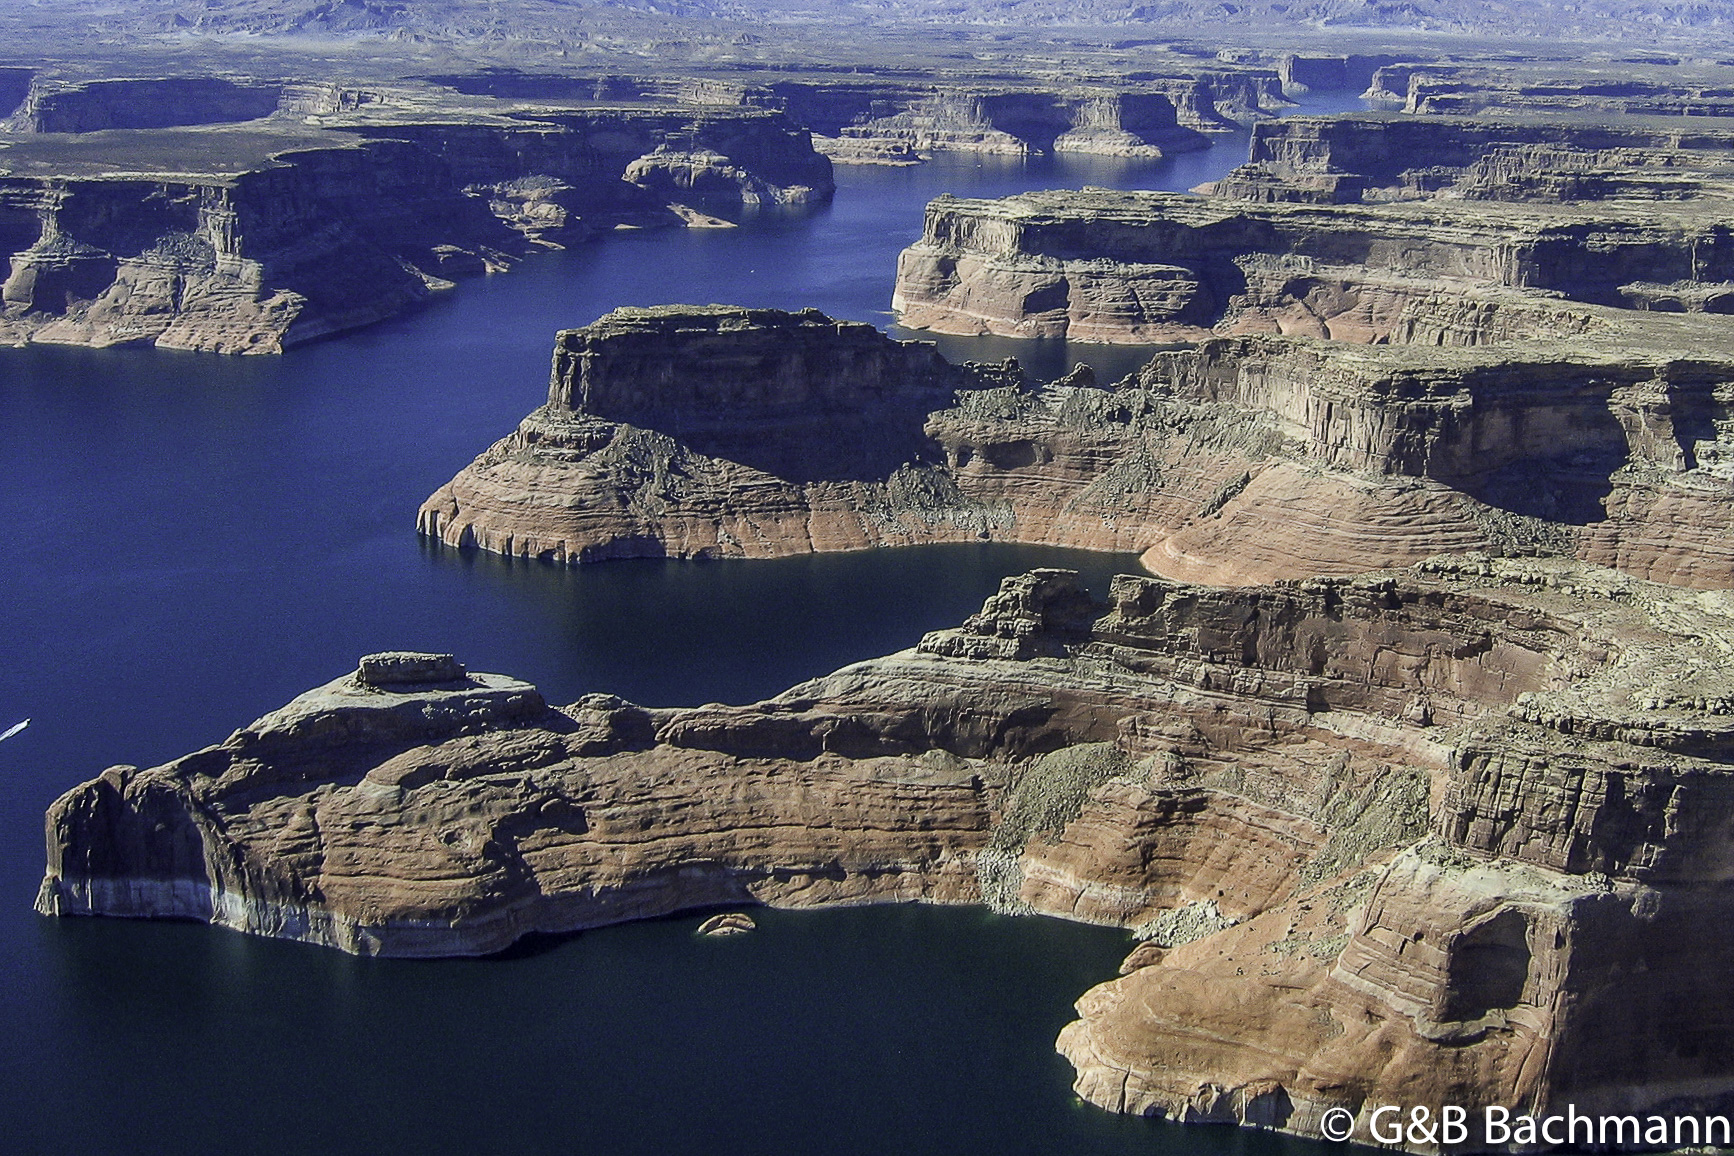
1453,834
408,668
732,923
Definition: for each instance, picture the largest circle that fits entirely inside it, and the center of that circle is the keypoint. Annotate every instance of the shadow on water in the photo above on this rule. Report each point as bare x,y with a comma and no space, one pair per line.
688,918
853,1032
668,633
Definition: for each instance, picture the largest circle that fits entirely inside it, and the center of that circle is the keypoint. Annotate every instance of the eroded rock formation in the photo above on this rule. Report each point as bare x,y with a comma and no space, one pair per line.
1144,268
1454,834
696,432
1372,157
1494,961
1342,227
300,232
683,432
1022,123
1459,254
1441,88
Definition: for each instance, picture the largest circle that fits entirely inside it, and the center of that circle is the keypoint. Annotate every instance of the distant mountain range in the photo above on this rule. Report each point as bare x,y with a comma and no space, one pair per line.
1527,17
443,19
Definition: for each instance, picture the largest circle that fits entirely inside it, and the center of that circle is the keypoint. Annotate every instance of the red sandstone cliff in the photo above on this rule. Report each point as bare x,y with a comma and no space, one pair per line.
1458,834
716,432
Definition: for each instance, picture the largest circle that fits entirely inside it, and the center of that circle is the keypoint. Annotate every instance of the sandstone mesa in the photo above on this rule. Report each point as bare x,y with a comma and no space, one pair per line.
723,432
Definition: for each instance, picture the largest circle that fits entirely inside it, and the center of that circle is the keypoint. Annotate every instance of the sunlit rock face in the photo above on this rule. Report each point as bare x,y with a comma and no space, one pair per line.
716,432
1454,834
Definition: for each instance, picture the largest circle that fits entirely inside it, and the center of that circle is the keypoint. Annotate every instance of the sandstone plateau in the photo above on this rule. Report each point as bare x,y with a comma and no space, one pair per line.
1419,258
722,432
1459,833
340,207
249,213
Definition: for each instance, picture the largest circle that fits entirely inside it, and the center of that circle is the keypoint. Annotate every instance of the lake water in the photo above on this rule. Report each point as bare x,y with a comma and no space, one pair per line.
194,540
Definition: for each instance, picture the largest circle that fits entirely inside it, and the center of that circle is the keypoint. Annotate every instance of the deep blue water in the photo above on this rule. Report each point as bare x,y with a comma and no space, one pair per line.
194,540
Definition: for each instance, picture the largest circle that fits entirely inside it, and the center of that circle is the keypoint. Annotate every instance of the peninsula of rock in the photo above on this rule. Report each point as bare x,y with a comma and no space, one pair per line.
252,238
725,432
1453,834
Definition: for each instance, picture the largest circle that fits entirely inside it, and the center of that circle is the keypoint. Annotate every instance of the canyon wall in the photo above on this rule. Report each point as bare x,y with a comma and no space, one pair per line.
1346,228
144,102
1444,88
1144,268
1372,157
801,396
1457,834
1324,72
681,432
14,87
331,229
1586,420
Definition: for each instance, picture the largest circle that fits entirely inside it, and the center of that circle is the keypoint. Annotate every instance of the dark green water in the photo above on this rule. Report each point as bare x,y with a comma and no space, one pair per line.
194,540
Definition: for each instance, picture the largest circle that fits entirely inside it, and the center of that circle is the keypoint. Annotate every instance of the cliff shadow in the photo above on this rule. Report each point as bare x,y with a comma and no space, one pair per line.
539,943
823,447
1569,489
1547,459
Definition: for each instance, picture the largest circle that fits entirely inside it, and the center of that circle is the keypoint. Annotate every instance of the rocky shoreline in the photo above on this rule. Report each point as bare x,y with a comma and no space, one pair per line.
1449,833
252,240
720,432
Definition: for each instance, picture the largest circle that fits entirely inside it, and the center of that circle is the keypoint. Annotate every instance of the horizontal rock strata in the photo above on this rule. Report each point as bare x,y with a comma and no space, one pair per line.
1024,123
1457,834
1582,419
1366,228
1373,157
1152,267
1562,88
685,432
253,239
